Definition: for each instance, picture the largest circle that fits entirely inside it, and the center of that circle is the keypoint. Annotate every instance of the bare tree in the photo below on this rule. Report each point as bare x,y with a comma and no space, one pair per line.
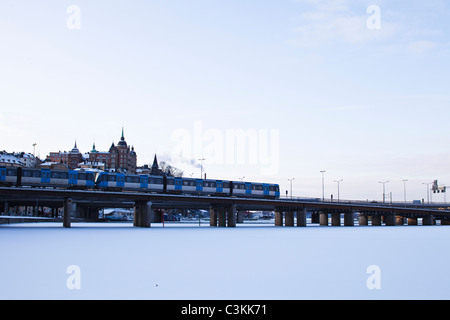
169,170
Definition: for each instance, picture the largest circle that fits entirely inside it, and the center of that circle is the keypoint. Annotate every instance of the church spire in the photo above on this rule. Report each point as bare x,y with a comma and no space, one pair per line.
123,137
155,163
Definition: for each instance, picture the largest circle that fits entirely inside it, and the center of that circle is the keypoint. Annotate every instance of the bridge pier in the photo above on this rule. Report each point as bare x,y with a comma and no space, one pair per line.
376,220
240,216
428,220
70,208
221,217
399,221
289,218
301,218
143,213
323,218
363,220
389,220
349,219
278,218
212,217
336,219
231,216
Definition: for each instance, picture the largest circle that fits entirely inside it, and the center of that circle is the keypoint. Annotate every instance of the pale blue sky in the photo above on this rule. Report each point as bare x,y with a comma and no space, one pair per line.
365,105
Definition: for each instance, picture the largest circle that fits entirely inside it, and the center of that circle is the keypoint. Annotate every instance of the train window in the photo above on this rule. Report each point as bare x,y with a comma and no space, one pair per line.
271,188
258,187
111,177
170,182
11,172
81,176
31,173
58,175
226,185
132,179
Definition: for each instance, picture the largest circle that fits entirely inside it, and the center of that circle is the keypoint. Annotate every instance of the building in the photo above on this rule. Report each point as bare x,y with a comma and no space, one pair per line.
121,158
10,160
71,158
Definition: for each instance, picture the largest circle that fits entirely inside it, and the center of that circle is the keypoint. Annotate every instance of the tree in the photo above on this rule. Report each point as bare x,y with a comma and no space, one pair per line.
169,170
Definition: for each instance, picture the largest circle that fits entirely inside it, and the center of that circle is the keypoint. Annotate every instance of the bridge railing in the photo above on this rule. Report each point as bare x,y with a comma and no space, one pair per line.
368,201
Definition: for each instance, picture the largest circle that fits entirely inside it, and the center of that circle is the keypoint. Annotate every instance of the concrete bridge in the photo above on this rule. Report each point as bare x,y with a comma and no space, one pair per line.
224,211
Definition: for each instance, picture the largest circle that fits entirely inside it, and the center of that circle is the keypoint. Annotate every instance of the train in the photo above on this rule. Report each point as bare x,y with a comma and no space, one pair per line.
116,181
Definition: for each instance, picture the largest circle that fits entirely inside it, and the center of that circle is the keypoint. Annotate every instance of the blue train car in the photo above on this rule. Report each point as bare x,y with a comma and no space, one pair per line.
135,182
8,176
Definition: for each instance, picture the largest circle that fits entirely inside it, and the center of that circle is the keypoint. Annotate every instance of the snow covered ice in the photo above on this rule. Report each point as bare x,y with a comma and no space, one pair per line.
184,261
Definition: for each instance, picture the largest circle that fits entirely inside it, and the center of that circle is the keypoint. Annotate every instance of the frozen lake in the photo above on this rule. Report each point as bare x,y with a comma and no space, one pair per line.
184,261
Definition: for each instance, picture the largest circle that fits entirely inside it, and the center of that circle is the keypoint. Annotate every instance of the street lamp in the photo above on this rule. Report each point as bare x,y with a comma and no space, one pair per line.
290,180
34,149
384,189
428,190
404,189
338,182
323,184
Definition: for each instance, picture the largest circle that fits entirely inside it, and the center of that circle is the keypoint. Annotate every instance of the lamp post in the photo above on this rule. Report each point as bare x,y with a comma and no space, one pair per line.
428,190
338,182
323,185
290,180
384,189
404,189
34,149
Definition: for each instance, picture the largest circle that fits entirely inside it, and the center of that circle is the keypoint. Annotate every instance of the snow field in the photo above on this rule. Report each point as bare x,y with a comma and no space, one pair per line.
184,261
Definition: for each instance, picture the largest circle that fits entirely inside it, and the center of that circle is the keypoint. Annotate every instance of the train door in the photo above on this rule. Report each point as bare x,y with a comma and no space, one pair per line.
248,188
120,179
73,177
266,189
45,176
2,174
219,186
199,185
178,184
144,182
277,191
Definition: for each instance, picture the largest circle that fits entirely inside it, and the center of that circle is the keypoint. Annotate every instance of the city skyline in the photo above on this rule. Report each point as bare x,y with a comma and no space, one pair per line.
356,88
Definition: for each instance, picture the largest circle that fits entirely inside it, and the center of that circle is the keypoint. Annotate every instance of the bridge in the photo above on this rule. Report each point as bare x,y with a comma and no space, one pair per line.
224,211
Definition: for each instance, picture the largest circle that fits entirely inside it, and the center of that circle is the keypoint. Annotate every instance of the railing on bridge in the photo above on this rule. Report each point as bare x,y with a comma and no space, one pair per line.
413,203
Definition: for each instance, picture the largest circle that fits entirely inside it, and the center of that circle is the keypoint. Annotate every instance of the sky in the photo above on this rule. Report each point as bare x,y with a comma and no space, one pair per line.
262,90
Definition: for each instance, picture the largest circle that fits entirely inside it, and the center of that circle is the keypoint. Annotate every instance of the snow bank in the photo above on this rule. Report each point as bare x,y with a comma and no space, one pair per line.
183,261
